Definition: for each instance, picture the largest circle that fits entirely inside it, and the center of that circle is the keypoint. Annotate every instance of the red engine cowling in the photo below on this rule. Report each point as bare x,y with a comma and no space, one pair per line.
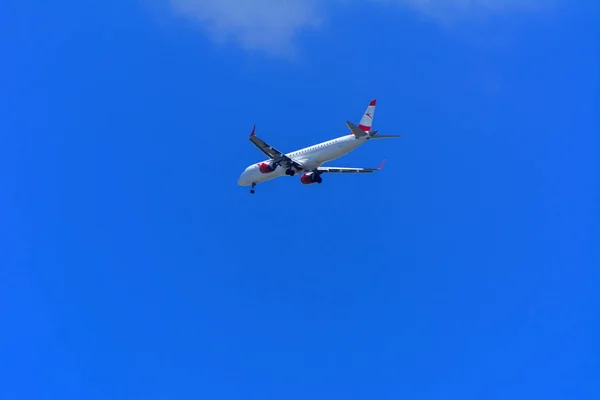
307,179
266,168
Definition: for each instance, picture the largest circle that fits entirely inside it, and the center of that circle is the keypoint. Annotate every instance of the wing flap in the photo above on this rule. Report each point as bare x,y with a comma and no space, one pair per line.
271,152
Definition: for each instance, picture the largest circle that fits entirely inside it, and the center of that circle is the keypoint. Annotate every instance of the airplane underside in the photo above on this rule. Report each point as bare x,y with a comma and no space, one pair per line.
308,176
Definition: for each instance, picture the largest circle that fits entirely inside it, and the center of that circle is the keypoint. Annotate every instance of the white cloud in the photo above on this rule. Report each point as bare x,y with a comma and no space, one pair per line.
468,9
269,25
272,25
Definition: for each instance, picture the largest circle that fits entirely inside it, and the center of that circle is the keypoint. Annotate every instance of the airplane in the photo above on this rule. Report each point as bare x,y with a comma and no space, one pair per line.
309,160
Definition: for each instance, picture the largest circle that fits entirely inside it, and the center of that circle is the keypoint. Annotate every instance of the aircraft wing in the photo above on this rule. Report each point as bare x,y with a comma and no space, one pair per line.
347,170
271,152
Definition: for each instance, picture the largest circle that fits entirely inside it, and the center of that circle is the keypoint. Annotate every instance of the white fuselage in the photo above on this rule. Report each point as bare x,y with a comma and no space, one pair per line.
310,157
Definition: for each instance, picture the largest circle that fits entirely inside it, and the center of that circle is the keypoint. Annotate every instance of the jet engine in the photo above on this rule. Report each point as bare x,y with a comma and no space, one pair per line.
310,177
266,168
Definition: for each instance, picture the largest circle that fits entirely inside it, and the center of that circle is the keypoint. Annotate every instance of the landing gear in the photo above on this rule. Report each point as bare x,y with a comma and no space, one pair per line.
290,172
319,179
252,189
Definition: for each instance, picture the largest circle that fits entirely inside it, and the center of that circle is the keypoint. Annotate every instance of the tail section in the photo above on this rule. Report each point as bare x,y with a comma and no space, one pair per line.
367,119
364,127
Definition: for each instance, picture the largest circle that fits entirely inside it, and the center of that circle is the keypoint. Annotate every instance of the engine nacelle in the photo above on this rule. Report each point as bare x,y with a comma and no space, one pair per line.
309,178
266,168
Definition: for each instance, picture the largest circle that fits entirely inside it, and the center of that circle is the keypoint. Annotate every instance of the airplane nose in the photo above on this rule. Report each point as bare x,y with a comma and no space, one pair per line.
242,180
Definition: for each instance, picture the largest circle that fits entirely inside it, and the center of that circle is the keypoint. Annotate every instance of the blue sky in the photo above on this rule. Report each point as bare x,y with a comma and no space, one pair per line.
132,265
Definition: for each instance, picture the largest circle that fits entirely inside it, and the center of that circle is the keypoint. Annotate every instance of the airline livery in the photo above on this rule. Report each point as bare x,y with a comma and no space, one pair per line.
309,161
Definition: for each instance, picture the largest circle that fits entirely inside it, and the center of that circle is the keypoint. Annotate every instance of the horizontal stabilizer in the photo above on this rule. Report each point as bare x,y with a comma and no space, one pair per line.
355,129
384,136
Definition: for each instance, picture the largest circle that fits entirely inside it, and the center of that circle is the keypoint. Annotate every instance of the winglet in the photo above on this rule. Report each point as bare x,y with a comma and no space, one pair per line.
373,102
381,166
253,130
